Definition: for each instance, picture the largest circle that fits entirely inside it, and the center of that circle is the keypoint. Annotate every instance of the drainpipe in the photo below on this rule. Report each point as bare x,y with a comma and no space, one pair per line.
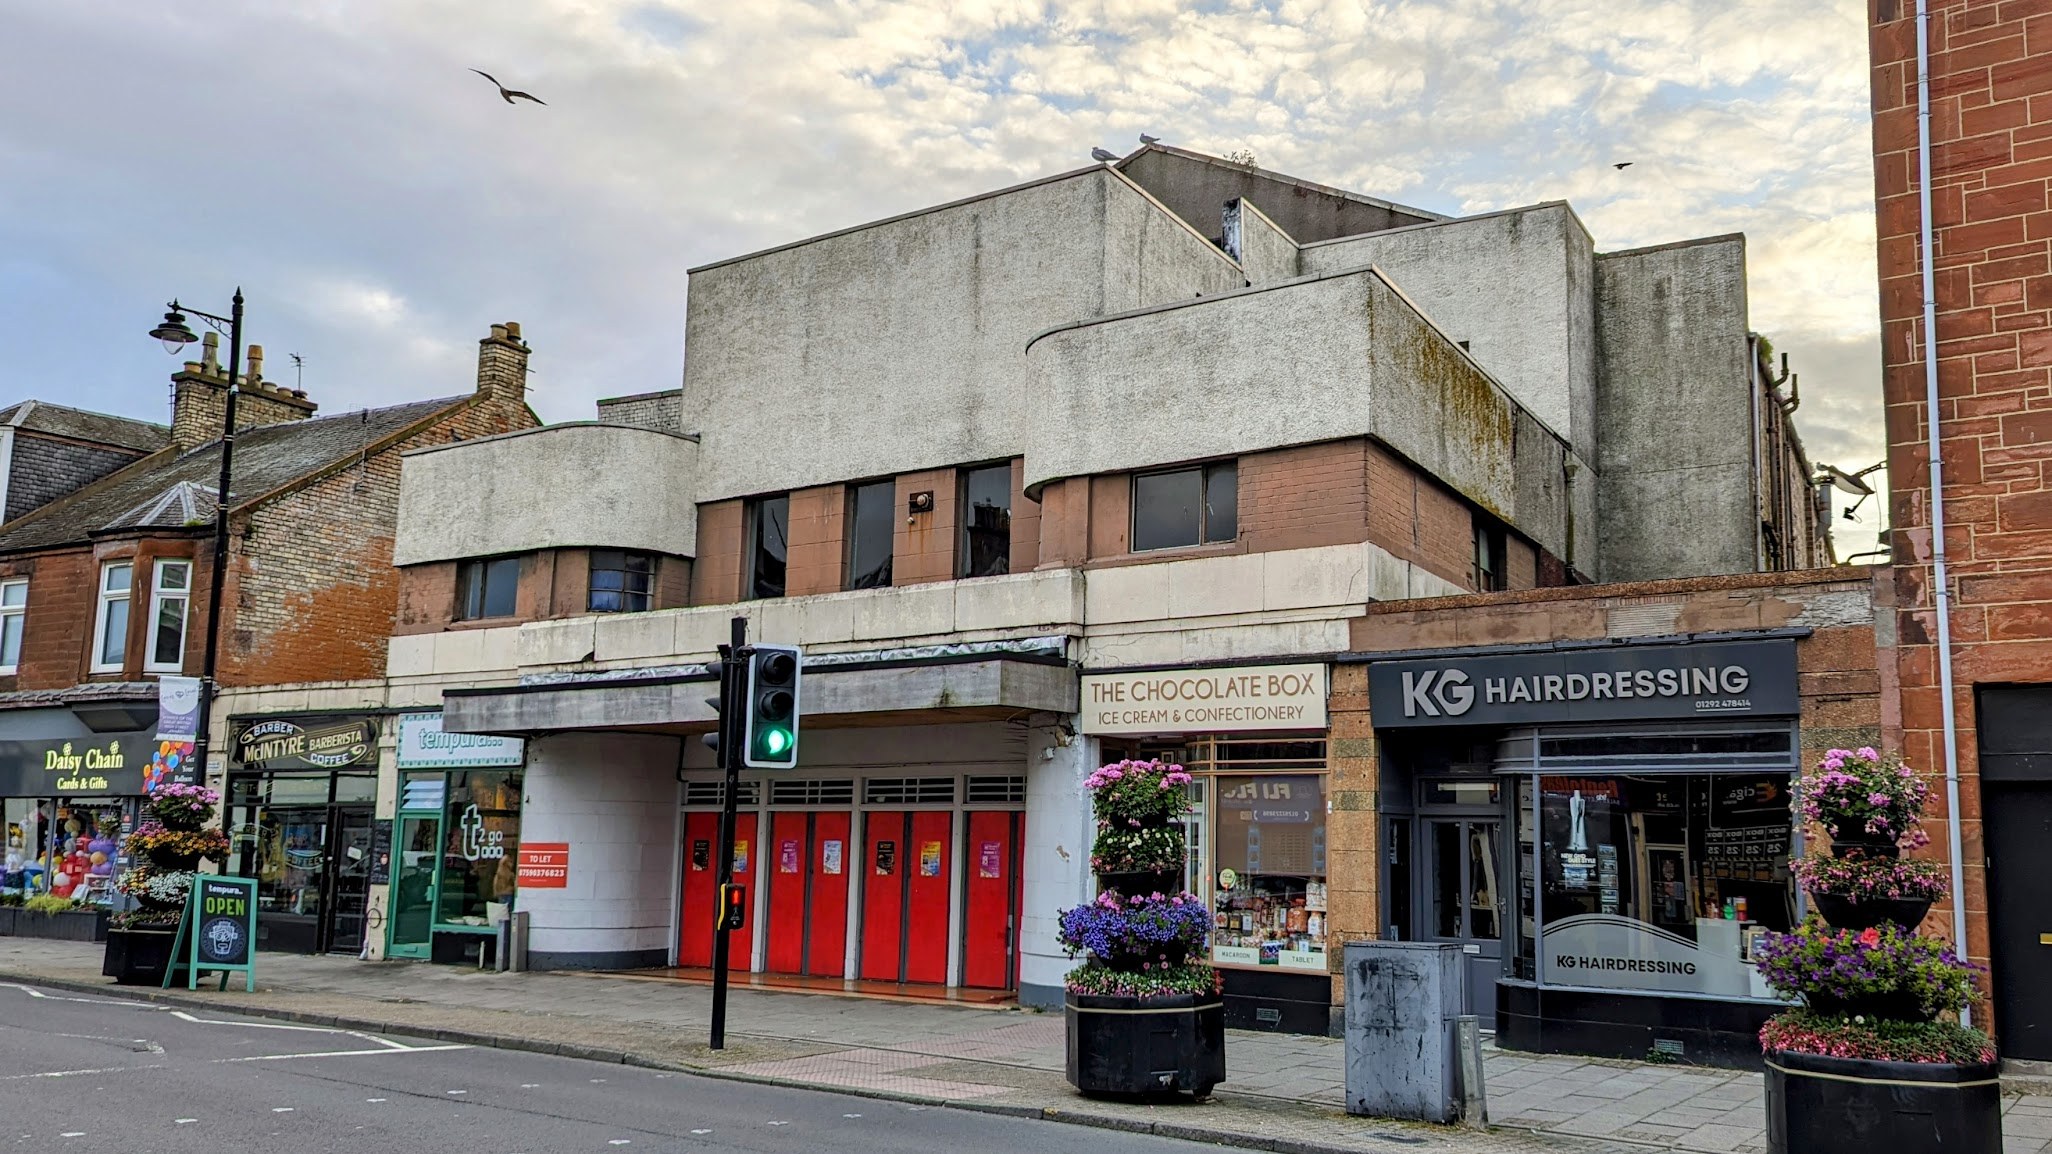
1942,598
1753,378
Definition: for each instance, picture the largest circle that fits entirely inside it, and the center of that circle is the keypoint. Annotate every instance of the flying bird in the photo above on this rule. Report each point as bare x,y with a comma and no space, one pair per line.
1622,165
1099,154
511,94
1146,139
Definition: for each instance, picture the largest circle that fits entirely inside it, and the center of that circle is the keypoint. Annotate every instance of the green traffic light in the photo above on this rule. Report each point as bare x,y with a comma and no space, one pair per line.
775,742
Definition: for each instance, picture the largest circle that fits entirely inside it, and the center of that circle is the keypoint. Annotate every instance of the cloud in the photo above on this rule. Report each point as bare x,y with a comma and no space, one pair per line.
382,206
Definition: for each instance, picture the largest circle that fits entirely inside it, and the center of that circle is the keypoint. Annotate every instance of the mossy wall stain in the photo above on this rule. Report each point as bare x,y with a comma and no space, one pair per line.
1477,423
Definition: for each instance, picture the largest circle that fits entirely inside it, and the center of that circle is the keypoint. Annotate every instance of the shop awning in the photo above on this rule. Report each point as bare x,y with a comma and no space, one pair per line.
908,693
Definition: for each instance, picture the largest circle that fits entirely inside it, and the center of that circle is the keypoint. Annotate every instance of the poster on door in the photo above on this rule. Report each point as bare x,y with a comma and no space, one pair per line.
701,854
886,858
929,859
740,857
788,856
989,860
830,858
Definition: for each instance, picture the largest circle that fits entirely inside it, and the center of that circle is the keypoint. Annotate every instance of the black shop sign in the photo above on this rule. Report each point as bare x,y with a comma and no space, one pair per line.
1621,683
324,743
99,765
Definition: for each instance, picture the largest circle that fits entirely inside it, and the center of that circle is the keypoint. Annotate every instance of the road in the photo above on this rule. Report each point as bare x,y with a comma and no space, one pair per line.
100,1074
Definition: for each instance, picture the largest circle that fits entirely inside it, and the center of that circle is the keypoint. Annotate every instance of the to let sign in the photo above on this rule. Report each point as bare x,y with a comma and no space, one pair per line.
544,865
1254,697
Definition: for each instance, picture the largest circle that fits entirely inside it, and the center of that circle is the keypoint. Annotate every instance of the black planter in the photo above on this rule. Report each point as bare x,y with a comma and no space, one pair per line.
7,916
1139,885
1129,1046
68,926
138,957
1831,1105
1864,845
1860,914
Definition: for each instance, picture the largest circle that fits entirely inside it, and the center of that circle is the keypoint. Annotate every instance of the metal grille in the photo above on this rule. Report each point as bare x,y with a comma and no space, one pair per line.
996,790
715,793
826,792
908,791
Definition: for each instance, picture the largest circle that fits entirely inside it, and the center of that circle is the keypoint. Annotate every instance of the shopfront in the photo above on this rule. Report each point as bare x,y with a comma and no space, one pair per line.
1254,739
455,844
1605,829
299,820
68,792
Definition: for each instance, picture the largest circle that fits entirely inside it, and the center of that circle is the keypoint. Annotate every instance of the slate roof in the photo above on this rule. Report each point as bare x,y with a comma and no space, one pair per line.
79,425
166,490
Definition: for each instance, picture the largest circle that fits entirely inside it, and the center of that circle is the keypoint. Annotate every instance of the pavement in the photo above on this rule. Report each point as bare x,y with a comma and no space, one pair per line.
100,1074
1283,1092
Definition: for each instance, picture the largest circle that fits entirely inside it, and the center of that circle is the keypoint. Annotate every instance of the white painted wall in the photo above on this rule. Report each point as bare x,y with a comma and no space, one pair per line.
613,798
560,486
1057,859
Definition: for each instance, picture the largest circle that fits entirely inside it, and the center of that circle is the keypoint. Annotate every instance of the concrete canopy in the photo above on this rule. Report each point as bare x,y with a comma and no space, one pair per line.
931,692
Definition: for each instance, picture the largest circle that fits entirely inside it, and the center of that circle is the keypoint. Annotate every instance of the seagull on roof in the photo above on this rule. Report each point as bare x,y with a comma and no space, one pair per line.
1099,154
510,94
1146,139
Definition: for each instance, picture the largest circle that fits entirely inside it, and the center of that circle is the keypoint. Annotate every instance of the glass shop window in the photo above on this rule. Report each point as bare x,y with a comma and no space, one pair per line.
1655,883
1267,873
480,845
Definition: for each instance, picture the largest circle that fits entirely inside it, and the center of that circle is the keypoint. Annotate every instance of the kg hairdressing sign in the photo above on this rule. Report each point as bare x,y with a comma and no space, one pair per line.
1246,698
1625,683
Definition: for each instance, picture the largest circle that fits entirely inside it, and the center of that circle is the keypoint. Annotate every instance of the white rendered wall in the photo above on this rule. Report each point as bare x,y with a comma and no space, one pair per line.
1057,860
613,798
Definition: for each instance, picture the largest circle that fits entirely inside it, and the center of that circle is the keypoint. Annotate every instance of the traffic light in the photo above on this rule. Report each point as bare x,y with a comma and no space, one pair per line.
770,722
733,907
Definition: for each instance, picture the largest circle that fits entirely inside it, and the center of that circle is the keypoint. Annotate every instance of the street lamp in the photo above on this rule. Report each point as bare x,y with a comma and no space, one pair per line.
175,334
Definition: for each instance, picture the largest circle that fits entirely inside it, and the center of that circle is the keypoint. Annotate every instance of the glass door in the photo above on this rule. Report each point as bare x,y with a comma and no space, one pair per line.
1462,900
416,850
348,878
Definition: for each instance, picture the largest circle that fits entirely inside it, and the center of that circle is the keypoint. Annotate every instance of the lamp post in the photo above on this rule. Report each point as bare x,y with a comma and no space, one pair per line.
176,335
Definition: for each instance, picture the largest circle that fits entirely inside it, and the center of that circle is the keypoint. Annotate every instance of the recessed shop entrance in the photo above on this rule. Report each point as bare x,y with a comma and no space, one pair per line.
2015,726
1458,834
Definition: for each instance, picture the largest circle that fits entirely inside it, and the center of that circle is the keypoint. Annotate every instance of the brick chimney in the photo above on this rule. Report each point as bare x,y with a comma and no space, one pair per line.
199,398
502,364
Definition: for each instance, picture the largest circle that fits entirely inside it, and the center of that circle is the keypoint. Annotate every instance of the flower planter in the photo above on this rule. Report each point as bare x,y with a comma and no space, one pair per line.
1860,913
1818,1105
138,957
68,926
1139,885
7,916
1864,845
1127,1046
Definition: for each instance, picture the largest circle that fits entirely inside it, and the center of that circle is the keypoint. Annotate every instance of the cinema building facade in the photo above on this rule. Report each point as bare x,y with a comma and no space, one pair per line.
1355,511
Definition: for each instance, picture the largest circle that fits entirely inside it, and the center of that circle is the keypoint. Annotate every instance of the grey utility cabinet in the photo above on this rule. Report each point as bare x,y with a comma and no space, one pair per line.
1403,1002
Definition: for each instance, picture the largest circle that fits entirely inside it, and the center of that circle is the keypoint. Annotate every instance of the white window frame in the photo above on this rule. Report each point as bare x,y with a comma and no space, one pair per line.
158,596
15,615
125,594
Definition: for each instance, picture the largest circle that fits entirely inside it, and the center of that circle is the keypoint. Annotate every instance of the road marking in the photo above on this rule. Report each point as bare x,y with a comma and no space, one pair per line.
780,1123
455,1092
186,1121
34,993
339,1054
76,1073
701,1131
530,1085
619,1141
373,1099
596,1081
851,1115
72,1134
281,1109
385,1042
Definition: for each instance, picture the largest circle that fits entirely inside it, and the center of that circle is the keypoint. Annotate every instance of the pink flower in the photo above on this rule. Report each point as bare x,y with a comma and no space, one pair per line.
1867,751
1870,937
1877,799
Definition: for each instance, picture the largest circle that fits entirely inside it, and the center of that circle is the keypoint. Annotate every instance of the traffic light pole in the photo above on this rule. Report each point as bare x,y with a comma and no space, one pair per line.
733,660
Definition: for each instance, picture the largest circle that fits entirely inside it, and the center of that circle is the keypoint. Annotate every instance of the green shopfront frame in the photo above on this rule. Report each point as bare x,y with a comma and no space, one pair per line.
456,837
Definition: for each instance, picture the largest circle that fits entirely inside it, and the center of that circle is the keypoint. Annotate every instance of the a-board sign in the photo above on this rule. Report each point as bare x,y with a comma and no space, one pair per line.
217,932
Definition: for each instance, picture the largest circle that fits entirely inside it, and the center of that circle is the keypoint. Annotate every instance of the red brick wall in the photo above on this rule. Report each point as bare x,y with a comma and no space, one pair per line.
312,594
716,575
1304,497
817,544
923,548
1991,104
1025,522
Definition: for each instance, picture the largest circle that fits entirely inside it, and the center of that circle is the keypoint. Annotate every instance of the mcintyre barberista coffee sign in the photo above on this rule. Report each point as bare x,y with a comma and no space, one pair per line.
305,743
1226,700
1619,683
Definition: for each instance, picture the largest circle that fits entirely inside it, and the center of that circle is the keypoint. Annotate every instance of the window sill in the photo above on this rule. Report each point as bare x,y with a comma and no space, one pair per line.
486,623
1177,553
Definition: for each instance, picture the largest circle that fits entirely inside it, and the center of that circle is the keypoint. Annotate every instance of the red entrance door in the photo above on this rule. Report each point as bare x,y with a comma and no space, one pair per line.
991,896
808,893
905,897
701,889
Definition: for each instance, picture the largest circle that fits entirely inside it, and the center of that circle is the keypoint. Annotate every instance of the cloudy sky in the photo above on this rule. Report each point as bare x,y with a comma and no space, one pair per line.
381,206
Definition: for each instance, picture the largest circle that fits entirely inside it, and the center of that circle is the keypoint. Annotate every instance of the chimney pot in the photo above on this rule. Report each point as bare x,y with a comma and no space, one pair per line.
513,329
499,332
256,363
210,352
